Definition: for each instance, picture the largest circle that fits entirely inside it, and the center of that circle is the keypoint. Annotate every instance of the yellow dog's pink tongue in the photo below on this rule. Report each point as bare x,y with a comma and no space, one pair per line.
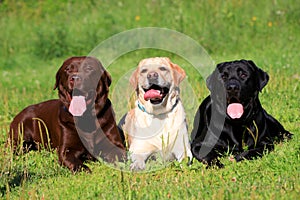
235,110
77,106
152,94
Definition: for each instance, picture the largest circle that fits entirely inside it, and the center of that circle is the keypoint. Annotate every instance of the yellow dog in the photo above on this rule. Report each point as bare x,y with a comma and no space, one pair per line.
157,123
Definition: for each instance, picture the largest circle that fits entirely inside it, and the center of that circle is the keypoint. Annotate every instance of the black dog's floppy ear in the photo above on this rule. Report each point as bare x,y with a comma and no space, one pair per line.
211,80
262,76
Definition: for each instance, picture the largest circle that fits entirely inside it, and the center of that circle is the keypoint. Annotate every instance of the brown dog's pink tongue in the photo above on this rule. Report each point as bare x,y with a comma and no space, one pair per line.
152,94
235,110
77,106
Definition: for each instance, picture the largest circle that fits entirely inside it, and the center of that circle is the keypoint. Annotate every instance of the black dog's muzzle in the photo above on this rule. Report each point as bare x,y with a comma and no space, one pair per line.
233,87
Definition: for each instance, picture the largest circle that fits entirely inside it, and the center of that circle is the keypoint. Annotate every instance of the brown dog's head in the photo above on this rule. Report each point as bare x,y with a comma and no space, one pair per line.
156,81
82,82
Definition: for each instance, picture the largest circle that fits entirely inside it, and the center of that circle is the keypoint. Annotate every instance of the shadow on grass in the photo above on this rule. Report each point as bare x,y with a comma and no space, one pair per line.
14,179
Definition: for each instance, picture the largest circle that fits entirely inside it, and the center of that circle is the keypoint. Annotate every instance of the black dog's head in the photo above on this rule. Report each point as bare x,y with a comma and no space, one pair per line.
235,86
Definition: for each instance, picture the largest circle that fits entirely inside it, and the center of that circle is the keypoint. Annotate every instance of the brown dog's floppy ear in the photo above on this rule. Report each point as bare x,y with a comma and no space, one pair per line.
108,79
59,72
102,89
104,82
262,76
105,76
178,73
57,80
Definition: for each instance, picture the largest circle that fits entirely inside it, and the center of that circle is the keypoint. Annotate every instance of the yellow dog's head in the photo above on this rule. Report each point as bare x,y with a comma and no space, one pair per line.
156,81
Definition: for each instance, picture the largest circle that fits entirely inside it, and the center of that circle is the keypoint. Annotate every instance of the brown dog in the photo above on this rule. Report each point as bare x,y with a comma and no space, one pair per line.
80,124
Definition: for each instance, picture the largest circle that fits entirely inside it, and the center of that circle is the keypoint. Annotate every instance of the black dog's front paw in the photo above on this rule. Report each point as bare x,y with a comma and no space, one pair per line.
239,157
211,163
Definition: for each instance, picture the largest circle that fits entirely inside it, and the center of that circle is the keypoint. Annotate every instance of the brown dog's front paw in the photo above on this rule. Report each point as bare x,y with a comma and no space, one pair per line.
75,165
80,168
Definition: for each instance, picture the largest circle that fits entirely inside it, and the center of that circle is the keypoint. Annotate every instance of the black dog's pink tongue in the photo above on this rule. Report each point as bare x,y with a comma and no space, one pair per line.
235,110
77,105
152,94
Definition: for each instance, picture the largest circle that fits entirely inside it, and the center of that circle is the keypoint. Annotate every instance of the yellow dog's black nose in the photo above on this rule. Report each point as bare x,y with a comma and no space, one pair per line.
152,75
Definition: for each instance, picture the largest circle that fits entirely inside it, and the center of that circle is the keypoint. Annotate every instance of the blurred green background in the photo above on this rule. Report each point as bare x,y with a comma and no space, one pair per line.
37,36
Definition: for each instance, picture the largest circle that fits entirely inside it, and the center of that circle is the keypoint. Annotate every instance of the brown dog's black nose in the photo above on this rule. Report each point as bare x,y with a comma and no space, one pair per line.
152,75
76,78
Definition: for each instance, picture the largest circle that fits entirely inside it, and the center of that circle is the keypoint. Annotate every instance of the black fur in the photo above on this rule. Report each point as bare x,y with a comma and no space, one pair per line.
215,133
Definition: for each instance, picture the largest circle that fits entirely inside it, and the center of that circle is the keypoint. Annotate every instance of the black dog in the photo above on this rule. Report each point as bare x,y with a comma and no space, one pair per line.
232,119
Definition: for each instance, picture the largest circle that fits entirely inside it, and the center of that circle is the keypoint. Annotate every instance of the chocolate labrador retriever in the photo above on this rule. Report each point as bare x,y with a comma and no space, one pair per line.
80,124
232,119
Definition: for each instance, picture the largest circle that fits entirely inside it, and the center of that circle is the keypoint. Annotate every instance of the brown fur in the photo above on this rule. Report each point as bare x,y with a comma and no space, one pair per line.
76,139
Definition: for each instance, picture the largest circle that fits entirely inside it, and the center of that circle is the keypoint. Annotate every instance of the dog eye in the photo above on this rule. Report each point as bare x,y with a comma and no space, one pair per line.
163,69
144,71
67,68
88,68
224,76
243,75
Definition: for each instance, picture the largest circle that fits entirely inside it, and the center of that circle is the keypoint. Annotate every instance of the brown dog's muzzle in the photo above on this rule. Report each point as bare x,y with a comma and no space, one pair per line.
82,93
75,80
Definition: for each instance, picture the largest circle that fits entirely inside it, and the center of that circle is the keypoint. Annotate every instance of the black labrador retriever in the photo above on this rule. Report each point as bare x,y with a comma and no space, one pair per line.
232,119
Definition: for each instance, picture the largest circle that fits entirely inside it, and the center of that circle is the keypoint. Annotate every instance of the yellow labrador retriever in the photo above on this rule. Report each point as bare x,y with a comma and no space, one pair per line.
157,123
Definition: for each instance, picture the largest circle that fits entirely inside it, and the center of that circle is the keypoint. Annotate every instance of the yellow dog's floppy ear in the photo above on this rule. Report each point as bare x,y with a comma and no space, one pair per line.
178,73
135,75
134,78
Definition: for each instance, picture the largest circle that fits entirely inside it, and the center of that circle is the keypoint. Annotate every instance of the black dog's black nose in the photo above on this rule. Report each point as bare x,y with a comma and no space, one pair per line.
232,87
152,75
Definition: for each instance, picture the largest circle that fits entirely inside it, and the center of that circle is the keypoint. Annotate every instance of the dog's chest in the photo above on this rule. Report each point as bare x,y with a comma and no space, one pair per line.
158,125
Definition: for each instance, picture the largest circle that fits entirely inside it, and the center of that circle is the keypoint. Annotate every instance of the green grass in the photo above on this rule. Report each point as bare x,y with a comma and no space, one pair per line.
37,36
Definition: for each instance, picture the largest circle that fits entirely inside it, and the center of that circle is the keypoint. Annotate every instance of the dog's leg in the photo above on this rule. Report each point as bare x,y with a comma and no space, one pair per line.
139,161
182,147
253,153
277,131
70,159
140,150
